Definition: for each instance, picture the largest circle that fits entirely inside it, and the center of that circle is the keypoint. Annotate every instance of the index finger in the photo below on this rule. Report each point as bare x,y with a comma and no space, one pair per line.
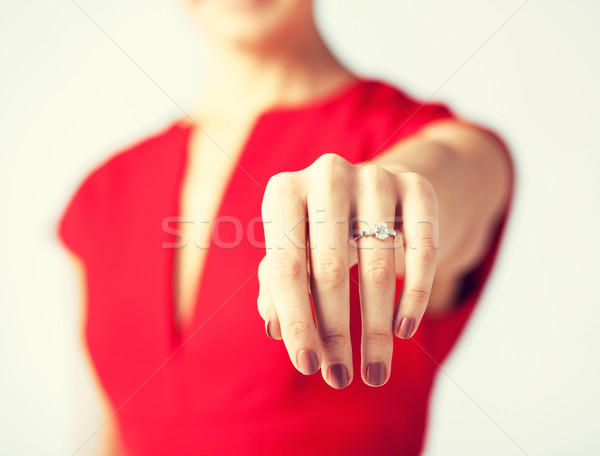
284,217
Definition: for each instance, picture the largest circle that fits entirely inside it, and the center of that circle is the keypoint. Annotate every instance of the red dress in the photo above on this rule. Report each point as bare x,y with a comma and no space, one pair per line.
222,386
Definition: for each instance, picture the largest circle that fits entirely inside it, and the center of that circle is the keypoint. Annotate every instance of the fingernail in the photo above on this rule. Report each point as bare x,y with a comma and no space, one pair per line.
375,373
267,325
307,362
338,376
405,328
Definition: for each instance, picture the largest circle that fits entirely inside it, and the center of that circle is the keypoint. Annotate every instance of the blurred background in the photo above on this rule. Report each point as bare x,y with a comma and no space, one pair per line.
82,79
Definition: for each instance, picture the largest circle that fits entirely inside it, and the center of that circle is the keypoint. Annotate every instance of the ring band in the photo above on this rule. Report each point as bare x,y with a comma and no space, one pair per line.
381,232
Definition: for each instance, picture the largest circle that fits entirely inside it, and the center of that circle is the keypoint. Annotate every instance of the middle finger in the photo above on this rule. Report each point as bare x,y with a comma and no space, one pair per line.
329,210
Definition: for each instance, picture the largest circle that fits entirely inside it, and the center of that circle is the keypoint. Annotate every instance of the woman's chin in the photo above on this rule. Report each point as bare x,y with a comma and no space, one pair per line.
241,34
244,4
252,22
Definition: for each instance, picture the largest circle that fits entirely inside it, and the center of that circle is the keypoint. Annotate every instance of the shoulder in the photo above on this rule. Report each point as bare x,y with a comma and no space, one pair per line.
380,95
388,109
384,114
106,190
143,160
142,153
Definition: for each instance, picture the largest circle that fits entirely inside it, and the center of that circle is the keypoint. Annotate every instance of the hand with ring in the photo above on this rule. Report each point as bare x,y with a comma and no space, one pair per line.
321,221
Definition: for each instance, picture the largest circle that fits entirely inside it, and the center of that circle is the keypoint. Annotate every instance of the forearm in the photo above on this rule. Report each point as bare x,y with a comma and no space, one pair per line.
470,177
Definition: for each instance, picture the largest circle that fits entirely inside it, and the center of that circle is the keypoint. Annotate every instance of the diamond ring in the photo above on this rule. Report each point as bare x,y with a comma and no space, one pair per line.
381,232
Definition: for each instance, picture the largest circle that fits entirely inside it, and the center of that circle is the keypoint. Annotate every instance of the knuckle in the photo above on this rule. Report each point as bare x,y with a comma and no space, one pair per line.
376,182
418,296
380,339
419,183
330,169
374,175
334,339
379,272
279,183
412,178
427,250
328,271
330,161
298,329
371,171
278,187
286,269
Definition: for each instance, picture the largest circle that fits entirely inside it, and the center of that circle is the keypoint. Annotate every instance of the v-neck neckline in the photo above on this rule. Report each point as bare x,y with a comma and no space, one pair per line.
180,328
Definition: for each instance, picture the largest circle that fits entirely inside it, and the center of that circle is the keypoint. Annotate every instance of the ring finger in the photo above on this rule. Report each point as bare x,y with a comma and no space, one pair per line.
376,203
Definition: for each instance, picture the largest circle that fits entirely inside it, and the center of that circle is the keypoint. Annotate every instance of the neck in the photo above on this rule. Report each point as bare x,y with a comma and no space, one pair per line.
248,80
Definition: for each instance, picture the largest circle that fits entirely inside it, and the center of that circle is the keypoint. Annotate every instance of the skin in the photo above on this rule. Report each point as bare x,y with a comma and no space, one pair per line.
464,196
265,53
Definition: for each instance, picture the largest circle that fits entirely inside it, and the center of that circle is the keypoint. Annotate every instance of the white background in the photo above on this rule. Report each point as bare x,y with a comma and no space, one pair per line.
528,362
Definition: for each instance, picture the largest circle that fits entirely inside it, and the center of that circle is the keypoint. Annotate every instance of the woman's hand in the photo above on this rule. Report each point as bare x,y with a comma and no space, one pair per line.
311,218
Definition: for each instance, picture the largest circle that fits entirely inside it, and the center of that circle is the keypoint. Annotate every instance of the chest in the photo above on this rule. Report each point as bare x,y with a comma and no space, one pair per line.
189,238
210,164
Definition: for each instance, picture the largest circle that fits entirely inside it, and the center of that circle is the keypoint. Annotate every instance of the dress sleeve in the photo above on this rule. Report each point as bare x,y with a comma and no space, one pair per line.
420,114
402,117
80,223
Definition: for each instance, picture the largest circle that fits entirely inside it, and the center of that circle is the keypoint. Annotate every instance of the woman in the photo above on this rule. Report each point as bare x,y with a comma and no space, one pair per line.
168,237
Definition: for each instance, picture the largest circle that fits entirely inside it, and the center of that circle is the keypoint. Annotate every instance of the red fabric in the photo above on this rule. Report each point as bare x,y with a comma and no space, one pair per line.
223,387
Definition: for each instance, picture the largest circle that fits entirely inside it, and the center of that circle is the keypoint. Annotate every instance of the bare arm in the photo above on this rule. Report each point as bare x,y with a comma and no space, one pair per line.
470,176
448,183
109,445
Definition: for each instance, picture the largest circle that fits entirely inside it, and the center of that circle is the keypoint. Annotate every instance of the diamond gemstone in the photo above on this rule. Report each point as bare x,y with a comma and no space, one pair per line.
381,231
